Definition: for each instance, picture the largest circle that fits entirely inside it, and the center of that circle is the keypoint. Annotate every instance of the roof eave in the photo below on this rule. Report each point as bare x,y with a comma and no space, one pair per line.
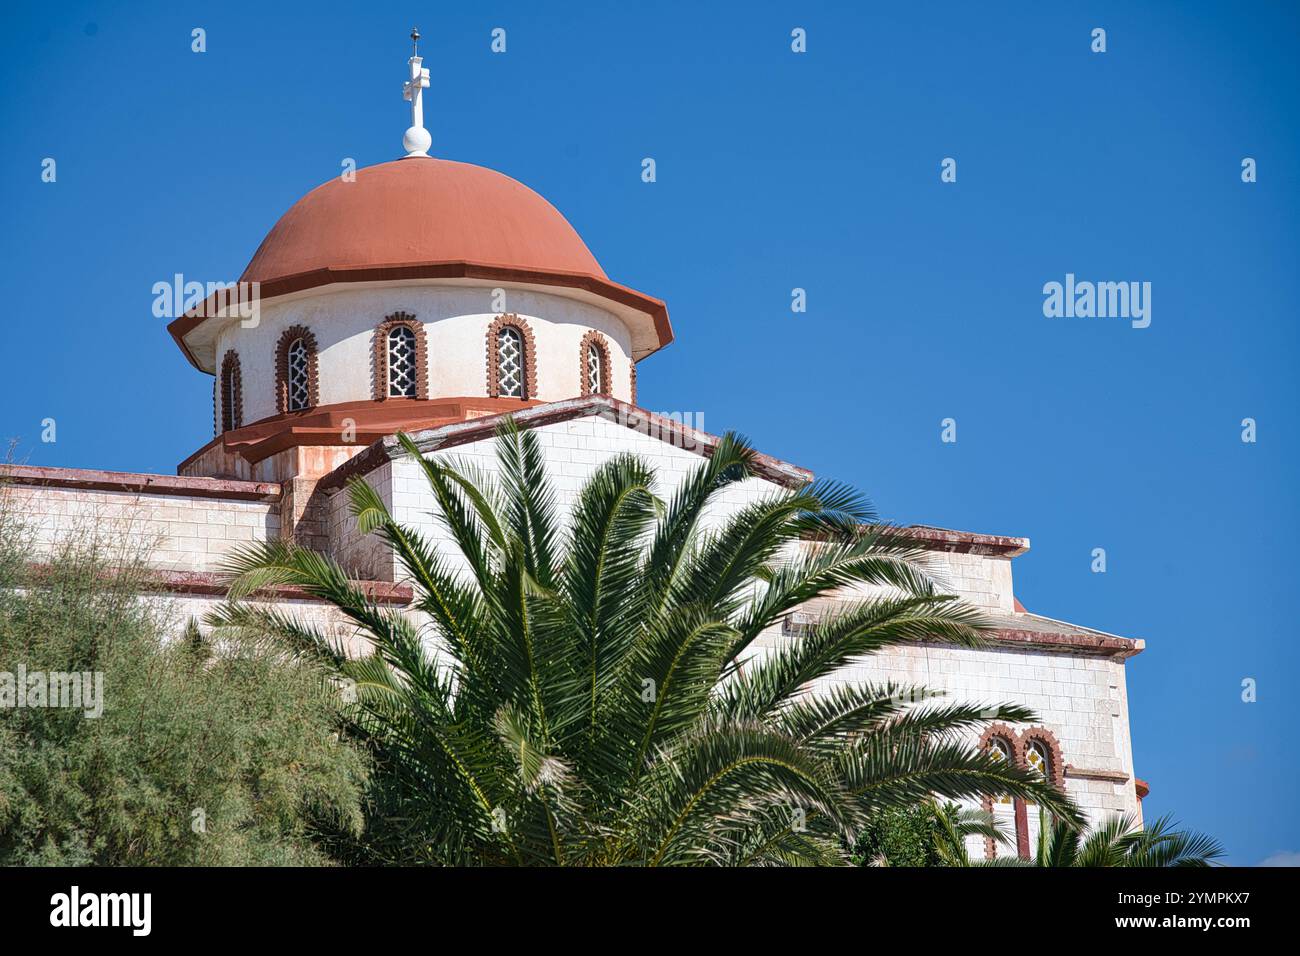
212,308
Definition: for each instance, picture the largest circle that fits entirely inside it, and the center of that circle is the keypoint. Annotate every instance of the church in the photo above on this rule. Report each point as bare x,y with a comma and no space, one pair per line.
432,297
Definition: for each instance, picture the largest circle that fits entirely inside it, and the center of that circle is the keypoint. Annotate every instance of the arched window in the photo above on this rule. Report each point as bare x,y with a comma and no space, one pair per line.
401,363
593,369
1041,752
510,358
231,392
510,363
400,358
999,742
1000,749
594,358
1037,759
295,370
297,377
1035,749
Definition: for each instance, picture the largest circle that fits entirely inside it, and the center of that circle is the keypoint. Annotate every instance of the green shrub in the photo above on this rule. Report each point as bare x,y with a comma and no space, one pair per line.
202,756
903,836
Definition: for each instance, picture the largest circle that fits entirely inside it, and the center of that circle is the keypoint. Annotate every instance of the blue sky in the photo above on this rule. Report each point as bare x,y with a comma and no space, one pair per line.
776,171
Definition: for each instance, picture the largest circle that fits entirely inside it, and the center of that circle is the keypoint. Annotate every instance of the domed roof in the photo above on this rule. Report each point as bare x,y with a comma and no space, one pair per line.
425,219
421,210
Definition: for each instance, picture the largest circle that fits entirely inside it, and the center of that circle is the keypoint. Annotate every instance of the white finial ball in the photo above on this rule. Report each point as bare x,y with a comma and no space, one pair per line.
416,141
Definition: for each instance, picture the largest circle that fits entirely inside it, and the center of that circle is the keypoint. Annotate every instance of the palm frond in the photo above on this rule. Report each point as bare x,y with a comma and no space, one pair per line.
855,630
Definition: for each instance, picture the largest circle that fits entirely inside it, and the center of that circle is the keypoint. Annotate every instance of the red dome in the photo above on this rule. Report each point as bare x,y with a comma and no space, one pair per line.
421,210
419,219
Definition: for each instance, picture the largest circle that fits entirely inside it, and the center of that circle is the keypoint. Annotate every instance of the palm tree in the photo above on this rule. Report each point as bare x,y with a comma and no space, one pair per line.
1122,841
589,693
954,824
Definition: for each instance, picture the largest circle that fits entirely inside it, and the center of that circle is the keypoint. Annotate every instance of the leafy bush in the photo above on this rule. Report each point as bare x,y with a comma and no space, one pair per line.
904,836
202,756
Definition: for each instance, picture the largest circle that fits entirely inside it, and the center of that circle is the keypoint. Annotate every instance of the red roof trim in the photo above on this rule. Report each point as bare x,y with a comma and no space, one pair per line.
1087,773
1094,644
139,483
606,289
213,584
963,542
611,409
323,425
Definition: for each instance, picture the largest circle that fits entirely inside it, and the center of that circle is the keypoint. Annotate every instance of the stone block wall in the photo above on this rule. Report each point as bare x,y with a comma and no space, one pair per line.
177,532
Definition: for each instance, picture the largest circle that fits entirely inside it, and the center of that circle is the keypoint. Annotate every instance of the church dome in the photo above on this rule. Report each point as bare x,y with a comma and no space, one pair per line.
421,210
412,293
423,220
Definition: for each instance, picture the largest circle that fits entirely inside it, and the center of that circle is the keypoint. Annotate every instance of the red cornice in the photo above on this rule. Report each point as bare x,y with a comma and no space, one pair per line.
964,542
135,482
957,542
1087,773
368,421
656,309
213,584
1095,644
611,409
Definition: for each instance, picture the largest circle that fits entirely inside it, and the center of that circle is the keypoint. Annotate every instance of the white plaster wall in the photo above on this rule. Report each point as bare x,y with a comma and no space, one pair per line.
176,532
456,320
980,580
1081,699
365,557
177,610
572,450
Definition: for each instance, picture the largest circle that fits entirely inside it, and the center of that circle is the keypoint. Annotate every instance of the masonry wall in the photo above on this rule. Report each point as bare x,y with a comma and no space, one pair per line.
176,610
572,452
364,556
981,580
1082,700
176,532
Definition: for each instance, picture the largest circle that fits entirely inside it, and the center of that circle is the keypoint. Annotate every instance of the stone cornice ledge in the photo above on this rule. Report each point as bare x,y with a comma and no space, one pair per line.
86,479
1087,773
610,409
213,584
962,542
1100,645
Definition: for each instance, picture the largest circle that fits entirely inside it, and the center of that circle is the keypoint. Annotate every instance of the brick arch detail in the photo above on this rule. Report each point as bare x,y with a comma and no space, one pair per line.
282,367
379,355
229,363
530,354
1006,733
1055,762
1019,742
594,338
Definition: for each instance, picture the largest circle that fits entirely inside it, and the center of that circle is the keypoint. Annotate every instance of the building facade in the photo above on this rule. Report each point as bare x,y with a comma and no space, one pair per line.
432,297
